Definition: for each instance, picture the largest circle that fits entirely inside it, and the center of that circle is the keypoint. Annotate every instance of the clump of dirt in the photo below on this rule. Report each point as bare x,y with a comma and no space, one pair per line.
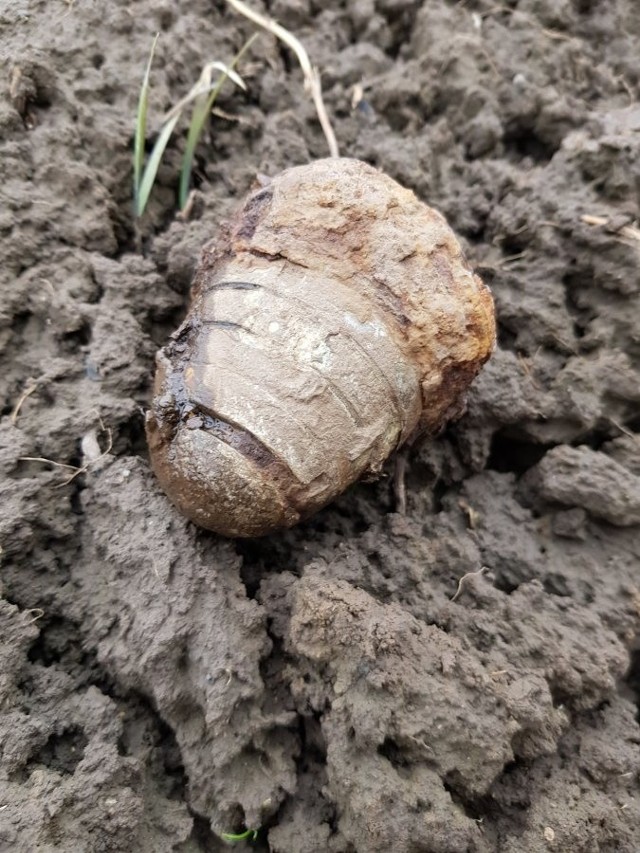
160,686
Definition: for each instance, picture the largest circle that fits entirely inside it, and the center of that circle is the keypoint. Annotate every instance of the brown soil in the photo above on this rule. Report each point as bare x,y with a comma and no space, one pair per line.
158,685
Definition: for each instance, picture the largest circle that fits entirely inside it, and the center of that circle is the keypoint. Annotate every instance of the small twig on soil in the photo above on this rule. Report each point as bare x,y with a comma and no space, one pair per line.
357,95
620,78
498,10
311,75
399,482
77,470
473,516
185,214
550,223
238,119
48,462
624,430
14,82
464,578
29,388
421,743
37,613
525,364
569,347
511,258
264,765
92,462
628,231
556,35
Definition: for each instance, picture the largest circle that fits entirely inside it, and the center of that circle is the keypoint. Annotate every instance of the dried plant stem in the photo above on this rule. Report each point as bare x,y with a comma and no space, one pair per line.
44,460
311,75
30,387
399,482
466,577
631,232
75,469
35,613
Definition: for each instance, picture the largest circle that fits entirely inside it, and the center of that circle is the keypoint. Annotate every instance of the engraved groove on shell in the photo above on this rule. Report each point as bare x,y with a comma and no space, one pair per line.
342,302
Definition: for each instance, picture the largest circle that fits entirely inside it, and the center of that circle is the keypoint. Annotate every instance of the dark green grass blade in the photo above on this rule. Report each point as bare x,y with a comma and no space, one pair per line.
201,111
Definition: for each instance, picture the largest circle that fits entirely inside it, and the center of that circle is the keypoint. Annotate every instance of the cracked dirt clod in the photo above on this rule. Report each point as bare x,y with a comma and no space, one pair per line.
581,477
434,703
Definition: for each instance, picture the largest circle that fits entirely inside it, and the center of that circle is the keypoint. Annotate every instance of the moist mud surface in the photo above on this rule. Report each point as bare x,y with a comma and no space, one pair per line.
460,679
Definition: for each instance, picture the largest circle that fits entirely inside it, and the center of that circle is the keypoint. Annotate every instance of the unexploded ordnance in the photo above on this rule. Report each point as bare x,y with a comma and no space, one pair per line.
333,321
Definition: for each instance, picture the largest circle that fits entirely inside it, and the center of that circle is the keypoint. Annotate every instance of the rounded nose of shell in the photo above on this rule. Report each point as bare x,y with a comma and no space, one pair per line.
215,485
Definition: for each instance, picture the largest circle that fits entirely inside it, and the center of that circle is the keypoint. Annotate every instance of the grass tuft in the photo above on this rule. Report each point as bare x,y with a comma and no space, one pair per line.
203,96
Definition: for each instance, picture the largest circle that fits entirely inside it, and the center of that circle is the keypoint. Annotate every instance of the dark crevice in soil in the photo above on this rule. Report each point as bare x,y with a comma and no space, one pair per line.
62,752
285,551
401,26
475,808
505,584
439,492
143,727
131,439
144,731
313,748
160,330
559,696
310,768
60,644
633,424
578,285
514,244
72,342
203,836
75,496
97,291
633,675
523,142
487,809
557,584
597,437
507,337
285,58
396,756
259,557
511,452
